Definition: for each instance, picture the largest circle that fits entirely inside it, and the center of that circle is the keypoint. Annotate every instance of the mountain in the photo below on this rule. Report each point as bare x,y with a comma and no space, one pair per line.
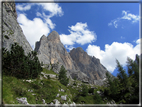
11,29
87,64
78,63
53,53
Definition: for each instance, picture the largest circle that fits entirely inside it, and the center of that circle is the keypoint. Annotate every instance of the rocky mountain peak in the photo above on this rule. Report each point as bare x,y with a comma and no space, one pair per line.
54,36
43,37
87,64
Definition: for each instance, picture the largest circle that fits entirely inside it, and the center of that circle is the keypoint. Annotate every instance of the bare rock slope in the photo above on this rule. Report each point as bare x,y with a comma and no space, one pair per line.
11,29
87,64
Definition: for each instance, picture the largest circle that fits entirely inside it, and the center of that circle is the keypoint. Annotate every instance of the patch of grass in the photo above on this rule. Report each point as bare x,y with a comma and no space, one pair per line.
46,89
48,71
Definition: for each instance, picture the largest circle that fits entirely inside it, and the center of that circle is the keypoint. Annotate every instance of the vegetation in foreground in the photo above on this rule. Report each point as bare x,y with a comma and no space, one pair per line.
123,89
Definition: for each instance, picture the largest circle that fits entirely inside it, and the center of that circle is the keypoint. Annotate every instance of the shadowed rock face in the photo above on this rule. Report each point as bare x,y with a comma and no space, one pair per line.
11,31
87,64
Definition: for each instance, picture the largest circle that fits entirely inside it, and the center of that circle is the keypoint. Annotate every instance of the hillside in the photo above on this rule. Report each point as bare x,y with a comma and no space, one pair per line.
45,91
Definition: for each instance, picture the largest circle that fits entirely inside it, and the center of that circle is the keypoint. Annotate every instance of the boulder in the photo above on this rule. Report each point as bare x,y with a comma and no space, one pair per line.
57,95
23,100
62,90
56,101
64,97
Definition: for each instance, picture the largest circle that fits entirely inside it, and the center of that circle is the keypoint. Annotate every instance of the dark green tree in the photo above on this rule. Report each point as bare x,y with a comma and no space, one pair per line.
124,88
16,63
63,77
97,99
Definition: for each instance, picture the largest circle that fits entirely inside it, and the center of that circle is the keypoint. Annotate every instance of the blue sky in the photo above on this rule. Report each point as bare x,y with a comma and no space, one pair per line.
108,31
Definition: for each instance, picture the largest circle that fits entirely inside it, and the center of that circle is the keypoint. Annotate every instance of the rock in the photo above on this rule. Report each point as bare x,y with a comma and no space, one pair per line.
23,100
43,101
65,104
12,31
98,92
46,75
30,90
29,81
56,101
64,97
51,103
73,104
33,94
91,66
57,95
62,90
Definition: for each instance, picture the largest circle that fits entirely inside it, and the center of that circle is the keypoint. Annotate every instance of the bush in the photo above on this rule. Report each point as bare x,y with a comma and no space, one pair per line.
48,76
84,90
98,99
91,90
16,63
63,77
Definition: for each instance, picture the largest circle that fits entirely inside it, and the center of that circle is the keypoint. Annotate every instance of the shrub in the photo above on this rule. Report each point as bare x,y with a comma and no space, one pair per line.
98,99
84,90
48,76
91,90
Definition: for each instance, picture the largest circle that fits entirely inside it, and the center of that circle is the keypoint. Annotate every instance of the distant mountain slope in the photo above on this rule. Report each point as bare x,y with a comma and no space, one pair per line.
87,64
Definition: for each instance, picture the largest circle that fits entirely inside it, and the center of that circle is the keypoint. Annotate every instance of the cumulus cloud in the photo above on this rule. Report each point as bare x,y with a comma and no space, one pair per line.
126,16
24,7
79,33
53,8
37,28
119,51
41,24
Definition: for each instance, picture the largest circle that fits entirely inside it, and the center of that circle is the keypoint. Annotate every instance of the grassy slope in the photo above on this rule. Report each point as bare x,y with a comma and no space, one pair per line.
46,89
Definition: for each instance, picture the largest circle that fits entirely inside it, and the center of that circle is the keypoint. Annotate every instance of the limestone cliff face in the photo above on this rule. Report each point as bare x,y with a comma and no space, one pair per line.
11,30
91,66
51,50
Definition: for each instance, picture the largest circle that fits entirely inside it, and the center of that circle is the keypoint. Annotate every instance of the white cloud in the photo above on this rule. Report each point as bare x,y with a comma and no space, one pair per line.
24,7
126,16
119,51
78,34
53,8
129,16
37,28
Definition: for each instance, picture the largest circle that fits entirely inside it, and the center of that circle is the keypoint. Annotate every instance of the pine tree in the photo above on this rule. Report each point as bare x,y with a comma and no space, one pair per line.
62,76
125,88
16,63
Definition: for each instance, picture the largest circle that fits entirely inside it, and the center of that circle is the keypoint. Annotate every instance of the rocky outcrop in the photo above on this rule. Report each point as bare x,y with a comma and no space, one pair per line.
91,66
11,30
